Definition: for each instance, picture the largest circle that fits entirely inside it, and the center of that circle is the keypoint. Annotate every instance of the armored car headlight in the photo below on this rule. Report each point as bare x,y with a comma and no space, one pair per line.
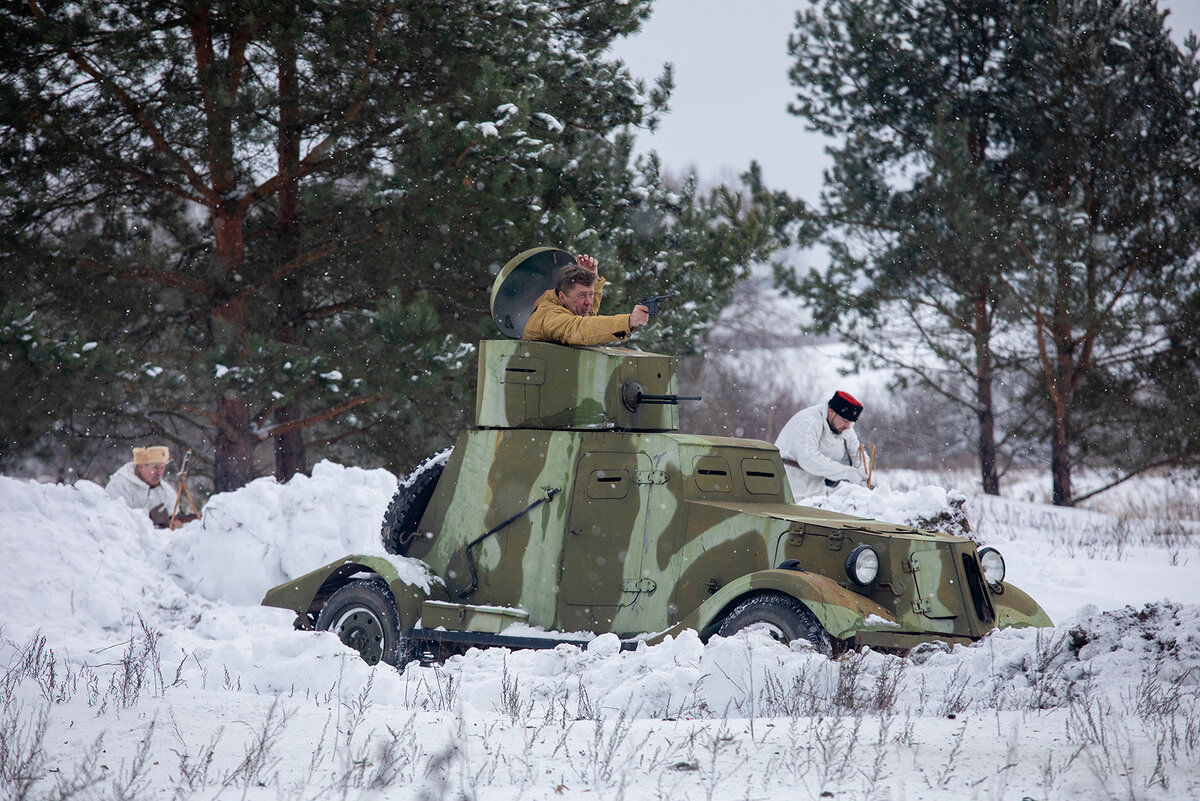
993,565
862,565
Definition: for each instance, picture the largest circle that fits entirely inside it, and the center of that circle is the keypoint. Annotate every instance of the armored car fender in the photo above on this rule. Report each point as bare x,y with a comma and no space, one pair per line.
307,595
1015,607
840,611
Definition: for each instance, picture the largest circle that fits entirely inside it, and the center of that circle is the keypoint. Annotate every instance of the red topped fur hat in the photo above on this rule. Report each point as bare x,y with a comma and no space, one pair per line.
844,404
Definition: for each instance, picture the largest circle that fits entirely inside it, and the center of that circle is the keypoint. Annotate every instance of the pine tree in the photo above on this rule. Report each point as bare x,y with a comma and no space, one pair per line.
282,219
922,226
1106,126
1006,194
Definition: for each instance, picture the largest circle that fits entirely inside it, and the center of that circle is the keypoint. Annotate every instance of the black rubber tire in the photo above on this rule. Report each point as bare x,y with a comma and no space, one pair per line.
787,619
403,514
363,615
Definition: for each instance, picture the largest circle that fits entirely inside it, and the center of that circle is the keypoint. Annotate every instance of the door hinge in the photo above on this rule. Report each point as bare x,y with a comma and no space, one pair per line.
652,477
639,585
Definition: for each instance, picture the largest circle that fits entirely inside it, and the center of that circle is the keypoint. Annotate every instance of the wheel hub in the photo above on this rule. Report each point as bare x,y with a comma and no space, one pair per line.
362,631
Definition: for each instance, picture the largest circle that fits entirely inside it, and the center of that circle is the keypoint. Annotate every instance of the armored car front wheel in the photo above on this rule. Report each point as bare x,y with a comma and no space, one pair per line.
784,617
363,615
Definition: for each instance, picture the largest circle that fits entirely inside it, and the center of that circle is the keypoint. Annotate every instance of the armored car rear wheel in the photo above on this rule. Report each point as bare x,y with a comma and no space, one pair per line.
403,515
785,618
363,615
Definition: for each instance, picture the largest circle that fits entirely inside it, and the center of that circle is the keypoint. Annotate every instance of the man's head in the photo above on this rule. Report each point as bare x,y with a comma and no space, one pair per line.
150,463
575,288
843,411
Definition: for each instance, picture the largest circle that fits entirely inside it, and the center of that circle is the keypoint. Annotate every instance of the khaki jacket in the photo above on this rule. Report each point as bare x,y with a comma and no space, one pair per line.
551,321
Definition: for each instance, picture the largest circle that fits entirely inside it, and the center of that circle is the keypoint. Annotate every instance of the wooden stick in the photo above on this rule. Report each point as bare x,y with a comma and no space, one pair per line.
175,509
183,489
192,502
867,465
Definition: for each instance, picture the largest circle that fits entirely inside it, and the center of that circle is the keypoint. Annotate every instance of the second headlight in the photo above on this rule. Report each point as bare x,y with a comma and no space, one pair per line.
992,564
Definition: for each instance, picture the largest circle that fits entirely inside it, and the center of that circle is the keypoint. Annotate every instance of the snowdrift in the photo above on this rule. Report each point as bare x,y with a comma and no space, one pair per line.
114,628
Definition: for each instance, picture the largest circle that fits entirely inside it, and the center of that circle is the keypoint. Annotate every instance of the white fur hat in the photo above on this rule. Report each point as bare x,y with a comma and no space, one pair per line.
155,454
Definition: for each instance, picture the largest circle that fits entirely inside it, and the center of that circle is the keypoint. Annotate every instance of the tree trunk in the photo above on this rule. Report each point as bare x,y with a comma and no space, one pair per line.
1060,460
234,465
984,408
1062,394
988,476
290,457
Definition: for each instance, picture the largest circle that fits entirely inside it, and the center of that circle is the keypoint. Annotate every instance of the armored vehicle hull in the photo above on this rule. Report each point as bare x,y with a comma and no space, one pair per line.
580,525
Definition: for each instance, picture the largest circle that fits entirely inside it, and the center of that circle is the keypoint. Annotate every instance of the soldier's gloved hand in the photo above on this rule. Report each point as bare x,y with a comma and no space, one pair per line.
160,516
856,474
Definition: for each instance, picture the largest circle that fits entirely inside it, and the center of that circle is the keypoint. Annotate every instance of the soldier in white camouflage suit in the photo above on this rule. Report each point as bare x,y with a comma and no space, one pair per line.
819,446
140,484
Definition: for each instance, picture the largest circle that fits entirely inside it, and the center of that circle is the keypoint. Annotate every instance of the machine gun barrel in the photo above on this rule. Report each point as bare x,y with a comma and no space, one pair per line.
664,400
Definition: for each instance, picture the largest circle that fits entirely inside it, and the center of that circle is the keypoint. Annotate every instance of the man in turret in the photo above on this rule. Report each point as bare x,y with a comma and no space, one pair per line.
567,313
819,446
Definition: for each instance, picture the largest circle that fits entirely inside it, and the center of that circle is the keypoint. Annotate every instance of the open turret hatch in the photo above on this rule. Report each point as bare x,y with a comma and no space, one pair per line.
526,276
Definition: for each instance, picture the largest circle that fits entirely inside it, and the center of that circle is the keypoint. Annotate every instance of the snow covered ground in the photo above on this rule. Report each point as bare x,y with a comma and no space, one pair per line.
136,663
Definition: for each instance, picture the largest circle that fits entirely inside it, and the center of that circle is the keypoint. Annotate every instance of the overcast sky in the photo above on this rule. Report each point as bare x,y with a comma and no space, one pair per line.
731,88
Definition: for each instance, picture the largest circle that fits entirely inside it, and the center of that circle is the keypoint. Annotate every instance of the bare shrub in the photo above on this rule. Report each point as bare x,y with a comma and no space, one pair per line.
138,669
876,771
887,686
512,705
849,675
947,770
836,741
398,756
585,708
599,756
715,767
58,680
132,780
22,753
1165,703
195,770
440,696
954,696
796,699
356,709
858,692
259,760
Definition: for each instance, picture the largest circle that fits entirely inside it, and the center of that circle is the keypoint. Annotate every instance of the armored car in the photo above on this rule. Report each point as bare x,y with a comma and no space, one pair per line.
575,506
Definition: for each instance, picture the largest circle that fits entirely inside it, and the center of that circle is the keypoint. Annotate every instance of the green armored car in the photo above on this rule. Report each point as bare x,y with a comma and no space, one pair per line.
575,507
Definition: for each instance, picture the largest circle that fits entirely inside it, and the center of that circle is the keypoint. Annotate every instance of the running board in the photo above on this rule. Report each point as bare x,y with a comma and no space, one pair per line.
485,640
